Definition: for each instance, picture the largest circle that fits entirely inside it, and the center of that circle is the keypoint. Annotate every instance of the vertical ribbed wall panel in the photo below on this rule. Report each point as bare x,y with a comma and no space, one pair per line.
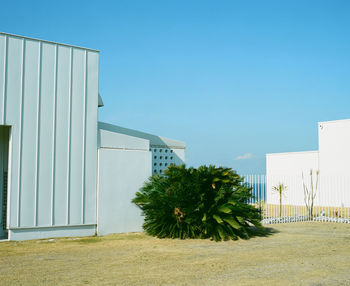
48,95
47,92
62,135
29,130
77,132
3,51
91,143
12,115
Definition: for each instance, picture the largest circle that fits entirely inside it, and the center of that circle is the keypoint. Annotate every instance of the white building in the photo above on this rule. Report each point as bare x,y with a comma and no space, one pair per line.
62,174
332,160
126,159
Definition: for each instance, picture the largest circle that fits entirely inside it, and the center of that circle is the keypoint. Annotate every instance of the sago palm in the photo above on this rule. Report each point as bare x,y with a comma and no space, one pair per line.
208,202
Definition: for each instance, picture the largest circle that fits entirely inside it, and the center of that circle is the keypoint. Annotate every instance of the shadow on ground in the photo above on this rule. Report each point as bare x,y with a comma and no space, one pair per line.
261,232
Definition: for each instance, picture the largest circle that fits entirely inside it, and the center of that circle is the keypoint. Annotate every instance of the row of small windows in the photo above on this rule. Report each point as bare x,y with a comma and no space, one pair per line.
160,164
160,150
161,157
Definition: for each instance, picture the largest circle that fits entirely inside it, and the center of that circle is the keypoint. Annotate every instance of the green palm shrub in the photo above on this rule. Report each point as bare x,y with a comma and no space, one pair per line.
208,202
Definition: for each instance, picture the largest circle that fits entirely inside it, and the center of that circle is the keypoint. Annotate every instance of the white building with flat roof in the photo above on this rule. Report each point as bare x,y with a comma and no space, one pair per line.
332,160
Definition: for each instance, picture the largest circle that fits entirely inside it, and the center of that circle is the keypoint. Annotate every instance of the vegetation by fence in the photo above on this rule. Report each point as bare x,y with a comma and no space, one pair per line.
302,198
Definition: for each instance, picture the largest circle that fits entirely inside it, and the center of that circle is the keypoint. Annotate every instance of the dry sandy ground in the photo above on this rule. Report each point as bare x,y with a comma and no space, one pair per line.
296,254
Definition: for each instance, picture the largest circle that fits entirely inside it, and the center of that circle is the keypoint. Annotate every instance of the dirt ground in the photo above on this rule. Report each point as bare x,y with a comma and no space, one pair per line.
308,253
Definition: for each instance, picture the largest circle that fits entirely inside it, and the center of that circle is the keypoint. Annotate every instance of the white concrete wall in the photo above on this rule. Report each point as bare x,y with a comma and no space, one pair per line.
124,166
165,151
155,141
48,95
127,158
334,147
332,160
287,168
112,140
291,163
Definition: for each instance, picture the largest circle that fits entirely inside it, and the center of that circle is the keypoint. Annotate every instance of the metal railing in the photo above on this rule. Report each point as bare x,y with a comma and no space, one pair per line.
301,200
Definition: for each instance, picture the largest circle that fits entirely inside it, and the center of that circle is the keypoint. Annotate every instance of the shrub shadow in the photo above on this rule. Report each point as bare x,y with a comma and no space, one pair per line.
261,232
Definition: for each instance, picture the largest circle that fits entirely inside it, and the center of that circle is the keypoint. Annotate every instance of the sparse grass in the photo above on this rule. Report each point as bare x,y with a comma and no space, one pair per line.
308,253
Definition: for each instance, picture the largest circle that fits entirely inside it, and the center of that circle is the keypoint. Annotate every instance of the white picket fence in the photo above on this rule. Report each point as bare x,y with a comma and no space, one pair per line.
331,201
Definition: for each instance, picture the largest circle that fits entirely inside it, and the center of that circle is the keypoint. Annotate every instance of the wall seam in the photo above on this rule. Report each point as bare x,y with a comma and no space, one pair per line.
5,80
54,140
69,136
37,155
84,142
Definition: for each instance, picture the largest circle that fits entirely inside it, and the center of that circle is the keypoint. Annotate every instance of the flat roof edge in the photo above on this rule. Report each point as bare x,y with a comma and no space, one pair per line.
46,41
124,135
291,153
334,121
168,145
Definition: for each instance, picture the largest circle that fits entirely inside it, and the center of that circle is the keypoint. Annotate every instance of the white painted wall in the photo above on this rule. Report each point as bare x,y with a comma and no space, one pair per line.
112,140
334,147
124,166
127,158
49,95
291,163
165,151
332,160
287,168
121,174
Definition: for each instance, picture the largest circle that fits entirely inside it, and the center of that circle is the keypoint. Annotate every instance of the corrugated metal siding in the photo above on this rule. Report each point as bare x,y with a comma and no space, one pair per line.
49,97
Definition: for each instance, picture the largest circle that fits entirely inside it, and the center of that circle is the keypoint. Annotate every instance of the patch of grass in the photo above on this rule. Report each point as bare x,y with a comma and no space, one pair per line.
88,240
308,253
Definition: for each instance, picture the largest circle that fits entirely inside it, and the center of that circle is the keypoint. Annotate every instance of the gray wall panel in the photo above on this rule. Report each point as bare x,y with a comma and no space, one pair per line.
13,81
47,95
77,133
62,135
91,120
2,74
12,113
50,94
121,174
29,129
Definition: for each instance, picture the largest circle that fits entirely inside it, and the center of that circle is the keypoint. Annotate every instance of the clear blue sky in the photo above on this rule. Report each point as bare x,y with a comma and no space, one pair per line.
229,78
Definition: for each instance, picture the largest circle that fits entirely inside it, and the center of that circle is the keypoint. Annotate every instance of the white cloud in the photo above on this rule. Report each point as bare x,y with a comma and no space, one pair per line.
244,156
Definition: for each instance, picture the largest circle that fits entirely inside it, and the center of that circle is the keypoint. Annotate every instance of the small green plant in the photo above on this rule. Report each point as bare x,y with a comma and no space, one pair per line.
310,193
208,202
280,189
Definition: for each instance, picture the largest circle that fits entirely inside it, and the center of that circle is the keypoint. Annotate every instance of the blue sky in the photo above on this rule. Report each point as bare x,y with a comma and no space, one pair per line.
233,79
